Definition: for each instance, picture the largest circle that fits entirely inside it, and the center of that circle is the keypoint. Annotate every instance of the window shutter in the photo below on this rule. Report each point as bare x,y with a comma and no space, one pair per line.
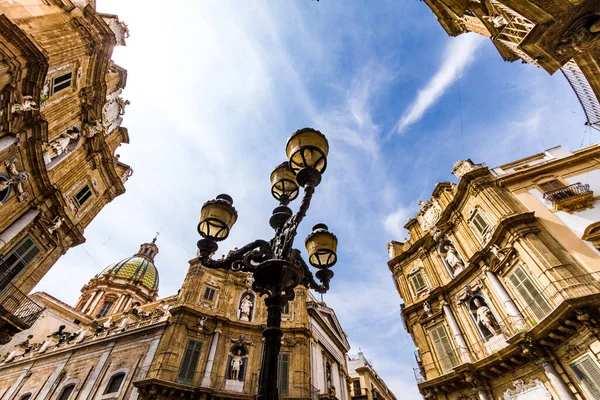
588,374
418,282
480,223
530,294
187,370
284,374
443,348
17,259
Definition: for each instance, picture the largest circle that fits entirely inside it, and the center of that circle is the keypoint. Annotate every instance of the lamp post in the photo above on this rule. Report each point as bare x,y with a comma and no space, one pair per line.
276,266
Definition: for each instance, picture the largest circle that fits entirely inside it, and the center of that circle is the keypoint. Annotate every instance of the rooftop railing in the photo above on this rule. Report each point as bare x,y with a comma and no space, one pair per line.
16,303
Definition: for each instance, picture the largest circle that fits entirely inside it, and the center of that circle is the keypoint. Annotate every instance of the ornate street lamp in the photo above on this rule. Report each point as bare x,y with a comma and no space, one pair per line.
276,266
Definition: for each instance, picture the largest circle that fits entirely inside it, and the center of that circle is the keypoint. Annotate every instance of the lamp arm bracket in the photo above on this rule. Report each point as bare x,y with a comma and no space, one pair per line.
244,258
284,239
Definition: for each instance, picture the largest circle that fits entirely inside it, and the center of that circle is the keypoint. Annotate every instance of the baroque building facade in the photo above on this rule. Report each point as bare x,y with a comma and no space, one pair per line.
500,280
60,117
120,342
552,35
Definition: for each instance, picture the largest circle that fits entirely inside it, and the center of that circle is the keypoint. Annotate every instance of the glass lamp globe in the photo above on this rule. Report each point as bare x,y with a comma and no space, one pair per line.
283,183
217,217
321,246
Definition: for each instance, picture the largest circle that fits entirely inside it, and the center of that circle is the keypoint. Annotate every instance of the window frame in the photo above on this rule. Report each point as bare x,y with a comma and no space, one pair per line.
119,372
107,309
474,214
197,348
209,297
70,385
578,381
286,392
79,202
11,271
26,396
445,368
525,305
54,85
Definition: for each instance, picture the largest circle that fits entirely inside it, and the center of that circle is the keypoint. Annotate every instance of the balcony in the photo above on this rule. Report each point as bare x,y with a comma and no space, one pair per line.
577,196
17,312
549,320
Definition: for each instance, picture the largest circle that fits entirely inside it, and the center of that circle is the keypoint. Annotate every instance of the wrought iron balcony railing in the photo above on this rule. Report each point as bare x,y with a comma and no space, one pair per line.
15,303
567,192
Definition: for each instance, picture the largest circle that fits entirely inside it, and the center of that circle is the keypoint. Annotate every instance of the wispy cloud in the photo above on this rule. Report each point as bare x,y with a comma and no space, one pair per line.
458,56
395,221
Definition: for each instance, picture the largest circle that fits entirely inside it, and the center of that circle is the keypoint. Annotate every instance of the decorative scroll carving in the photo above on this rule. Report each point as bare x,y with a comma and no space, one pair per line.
430,214
532,389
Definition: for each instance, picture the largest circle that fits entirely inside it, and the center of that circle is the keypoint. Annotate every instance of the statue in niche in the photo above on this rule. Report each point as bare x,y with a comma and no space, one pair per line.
56,224
484,318
245,309
495,250
236,363
61,144
451,257
427,309
26,104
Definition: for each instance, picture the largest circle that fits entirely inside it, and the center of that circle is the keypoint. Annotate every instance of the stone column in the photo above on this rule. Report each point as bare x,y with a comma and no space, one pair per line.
460,340
211,358
509,304
89,301
118,306
95,303
564,393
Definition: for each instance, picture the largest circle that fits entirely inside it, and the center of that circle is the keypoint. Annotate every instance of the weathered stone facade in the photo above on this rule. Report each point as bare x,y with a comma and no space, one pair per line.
550,34
206,342
60,115
501,283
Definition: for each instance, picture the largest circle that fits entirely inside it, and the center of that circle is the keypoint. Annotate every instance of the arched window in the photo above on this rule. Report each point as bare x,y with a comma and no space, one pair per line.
115,383
26,397
66,392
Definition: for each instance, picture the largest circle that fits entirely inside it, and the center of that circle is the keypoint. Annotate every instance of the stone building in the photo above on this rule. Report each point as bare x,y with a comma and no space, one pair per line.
120,342
60,116
501,277
552,35
366,383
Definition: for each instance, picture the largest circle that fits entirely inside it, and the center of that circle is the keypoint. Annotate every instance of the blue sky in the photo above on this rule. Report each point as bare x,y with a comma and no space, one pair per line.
216,87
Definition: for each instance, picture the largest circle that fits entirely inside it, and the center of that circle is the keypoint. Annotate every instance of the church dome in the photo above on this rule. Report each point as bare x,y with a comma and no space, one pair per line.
137,268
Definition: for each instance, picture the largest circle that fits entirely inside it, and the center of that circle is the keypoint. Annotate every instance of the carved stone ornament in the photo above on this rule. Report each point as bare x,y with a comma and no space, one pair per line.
436,233
533,389
463,166
26,104
429,214
92,128
580,36
242,340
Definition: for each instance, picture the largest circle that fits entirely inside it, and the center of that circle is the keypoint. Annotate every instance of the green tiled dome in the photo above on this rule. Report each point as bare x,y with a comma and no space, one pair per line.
139,269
